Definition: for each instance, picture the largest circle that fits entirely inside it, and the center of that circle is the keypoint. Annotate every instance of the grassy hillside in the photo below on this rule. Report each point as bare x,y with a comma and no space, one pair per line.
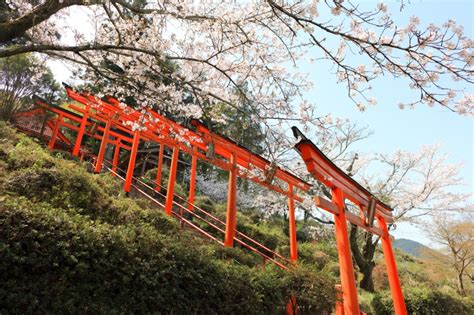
70,242
427,289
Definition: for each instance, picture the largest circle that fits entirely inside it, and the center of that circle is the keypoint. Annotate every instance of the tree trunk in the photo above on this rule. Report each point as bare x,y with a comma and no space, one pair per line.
364,259
367,282
461,290
305,216
18,26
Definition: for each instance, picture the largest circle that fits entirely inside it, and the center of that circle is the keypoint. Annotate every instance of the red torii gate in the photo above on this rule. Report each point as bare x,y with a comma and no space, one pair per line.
202,144
344,187
224,153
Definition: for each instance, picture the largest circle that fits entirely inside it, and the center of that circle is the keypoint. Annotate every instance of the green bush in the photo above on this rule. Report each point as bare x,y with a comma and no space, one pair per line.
150,177
235,254
205,203
421,300
365,302
307,287
26,153
62,187
310,254
270,236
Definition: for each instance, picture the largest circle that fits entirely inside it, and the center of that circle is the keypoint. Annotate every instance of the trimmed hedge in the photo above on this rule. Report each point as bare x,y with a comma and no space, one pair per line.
54,261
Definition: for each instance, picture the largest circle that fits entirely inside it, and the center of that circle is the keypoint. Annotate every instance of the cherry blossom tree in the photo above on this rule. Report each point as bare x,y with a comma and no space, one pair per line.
456,235
415,185
219,45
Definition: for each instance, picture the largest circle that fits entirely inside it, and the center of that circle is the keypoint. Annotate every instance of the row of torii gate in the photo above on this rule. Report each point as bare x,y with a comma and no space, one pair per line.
116,124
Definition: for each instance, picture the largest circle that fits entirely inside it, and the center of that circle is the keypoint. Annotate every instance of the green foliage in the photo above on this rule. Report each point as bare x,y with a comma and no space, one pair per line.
239,256
238,125
270,236
98,267
365,302
205,203
55,261
150,177
422,300
328,248
267,235
306,287
21,77
414,273
311,255
71,242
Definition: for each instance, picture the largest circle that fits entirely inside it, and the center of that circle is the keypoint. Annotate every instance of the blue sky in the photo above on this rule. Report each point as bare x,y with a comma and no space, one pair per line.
410,128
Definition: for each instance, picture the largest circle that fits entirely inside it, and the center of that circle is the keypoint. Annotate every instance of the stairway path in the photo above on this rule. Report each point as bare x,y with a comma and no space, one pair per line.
187,216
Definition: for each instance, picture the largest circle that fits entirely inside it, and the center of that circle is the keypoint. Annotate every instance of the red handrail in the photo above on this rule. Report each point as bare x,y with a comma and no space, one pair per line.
249,247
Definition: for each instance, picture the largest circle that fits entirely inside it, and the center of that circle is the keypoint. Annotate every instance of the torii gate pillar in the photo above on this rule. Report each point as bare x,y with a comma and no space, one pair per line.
131,162
349,290
393,280
172,180
292,225
231,220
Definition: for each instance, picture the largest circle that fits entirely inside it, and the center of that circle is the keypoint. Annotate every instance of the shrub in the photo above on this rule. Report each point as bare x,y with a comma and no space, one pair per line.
315,292
421,300
53,261
62,187
269,236
365,302
242,257
205,203
309,253
26,153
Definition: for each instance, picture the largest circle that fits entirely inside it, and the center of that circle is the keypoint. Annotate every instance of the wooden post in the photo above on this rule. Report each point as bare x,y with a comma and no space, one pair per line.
192,180
291,306
172,180
160,167
231,219
103,146
349,291
131,162
339,300
55,132
292,225
393,280
116,156
80,133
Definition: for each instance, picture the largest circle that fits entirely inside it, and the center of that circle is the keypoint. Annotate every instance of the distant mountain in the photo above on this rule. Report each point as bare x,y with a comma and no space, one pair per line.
411,247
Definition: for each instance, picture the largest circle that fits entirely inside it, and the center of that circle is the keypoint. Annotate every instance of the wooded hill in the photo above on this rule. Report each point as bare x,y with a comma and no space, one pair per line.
409,246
